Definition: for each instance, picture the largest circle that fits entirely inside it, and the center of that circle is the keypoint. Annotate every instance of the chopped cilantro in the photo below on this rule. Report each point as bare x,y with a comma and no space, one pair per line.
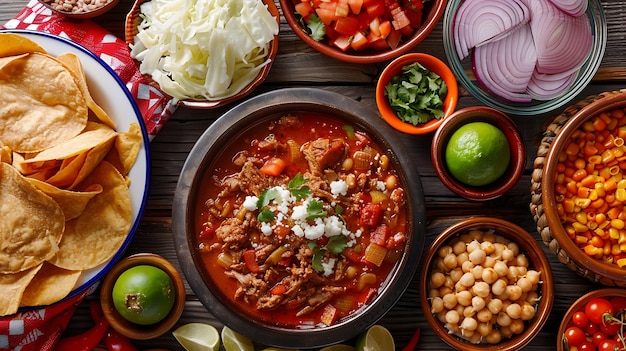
316,28
417,94
297,187
266,215
315,209
267,195
336,244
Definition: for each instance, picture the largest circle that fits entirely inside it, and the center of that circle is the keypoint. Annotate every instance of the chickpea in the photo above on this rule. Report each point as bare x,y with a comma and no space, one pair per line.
514,292
517,326
533,276
467,279
477,256
449,301
473,246
453,317
494,337
513,247
436,305
464,298
391,182
444,251
437,279
514,311
494,306
503,320
506,332
498,287
462,258
524,284
507,254
484,328
484,315
469,324
482,289
450,261
478,303
459,247
489,275
501,268
521,260
528,312
467,266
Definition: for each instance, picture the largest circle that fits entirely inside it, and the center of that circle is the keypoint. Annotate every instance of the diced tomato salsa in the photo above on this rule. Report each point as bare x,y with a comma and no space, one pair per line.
360,24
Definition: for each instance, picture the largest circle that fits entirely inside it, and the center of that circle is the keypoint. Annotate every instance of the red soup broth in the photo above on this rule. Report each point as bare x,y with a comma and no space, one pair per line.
300,221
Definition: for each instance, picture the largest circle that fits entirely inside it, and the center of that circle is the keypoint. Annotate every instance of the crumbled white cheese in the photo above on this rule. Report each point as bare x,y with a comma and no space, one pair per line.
250,203
333,226
299,212
380,185
339,187
329,266
266,228
315,231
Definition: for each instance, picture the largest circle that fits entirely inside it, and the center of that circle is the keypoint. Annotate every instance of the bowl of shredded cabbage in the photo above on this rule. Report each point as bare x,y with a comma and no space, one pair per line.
205,53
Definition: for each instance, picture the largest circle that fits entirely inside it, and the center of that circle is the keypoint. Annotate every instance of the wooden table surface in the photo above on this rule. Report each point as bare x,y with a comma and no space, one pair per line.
299,66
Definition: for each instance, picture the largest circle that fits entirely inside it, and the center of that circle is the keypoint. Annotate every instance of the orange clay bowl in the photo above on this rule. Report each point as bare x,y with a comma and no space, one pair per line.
516,145
579,304
133,20
431,63
537,261
136,331
431,13
83,15
590,268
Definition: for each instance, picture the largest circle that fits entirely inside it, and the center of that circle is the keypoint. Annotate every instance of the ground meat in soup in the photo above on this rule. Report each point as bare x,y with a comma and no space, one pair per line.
301,221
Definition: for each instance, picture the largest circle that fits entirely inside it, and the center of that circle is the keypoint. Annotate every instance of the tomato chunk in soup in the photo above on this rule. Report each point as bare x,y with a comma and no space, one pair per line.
301,220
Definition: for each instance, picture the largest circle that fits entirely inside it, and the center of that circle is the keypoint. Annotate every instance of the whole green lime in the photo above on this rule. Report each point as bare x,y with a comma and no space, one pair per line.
144,294
477,154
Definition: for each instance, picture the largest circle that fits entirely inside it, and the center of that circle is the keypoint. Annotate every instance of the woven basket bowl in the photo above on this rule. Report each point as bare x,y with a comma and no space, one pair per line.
132,22
543,203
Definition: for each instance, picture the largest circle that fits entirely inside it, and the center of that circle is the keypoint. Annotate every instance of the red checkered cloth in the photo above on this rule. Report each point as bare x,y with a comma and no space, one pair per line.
40,329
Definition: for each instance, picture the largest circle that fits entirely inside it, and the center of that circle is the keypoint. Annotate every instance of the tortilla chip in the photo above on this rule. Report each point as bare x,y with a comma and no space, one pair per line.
32,223
72,203
126,150
99,232
73,64
41,104
66,175
93,135
49,285
12,287
15,44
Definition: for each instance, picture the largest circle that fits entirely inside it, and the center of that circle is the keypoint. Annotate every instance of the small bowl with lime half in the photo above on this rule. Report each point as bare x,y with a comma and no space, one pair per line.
478,153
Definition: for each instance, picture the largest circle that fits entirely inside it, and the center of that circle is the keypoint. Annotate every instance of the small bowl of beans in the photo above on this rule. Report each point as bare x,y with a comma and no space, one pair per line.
486,284
80,8
584,190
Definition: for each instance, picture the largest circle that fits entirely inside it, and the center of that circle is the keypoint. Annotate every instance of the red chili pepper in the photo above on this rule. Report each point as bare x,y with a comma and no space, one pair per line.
118,342
95,310
85,341
413,342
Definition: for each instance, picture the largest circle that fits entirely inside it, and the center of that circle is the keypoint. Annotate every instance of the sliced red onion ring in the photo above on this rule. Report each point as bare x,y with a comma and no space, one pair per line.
505,66
571,7
548,86
563,42
478,21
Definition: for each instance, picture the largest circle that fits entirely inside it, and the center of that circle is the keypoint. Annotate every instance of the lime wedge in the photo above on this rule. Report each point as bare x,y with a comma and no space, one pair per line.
338,347
198,337
376,338
234,341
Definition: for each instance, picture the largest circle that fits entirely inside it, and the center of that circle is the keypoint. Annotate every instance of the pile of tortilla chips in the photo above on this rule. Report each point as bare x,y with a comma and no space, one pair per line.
64,197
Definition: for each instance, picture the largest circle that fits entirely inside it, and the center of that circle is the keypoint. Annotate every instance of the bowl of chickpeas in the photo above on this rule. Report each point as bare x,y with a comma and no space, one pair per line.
584,190
486,284
80,8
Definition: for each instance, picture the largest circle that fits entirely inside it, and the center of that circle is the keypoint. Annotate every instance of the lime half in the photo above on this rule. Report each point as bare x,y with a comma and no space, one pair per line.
376,338
198,337
234,341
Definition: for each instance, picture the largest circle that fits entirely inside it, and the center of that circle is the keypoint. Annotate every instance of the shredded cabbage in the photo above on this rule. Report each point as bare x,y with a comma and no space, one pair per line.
203,49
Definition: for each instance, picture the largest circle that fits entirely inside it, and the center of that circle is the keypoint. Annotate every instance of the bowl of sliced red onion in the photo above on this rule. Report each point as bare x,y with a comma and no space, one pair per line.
524,57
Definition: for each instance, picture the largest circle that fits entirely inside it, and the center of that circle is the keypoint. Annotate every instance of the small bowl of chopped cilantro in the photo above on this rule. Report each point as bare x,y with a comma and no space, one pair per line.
415,92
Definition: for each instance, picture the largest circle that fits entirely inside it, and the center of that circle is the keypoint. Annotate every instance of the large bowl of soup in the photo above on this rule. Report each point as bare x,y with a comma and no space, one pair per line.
299,218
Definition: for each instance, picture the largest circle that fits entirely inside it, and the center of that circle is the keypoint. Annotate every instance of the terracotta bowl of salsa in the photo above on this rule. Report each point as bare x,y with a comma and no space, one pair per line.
295,221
